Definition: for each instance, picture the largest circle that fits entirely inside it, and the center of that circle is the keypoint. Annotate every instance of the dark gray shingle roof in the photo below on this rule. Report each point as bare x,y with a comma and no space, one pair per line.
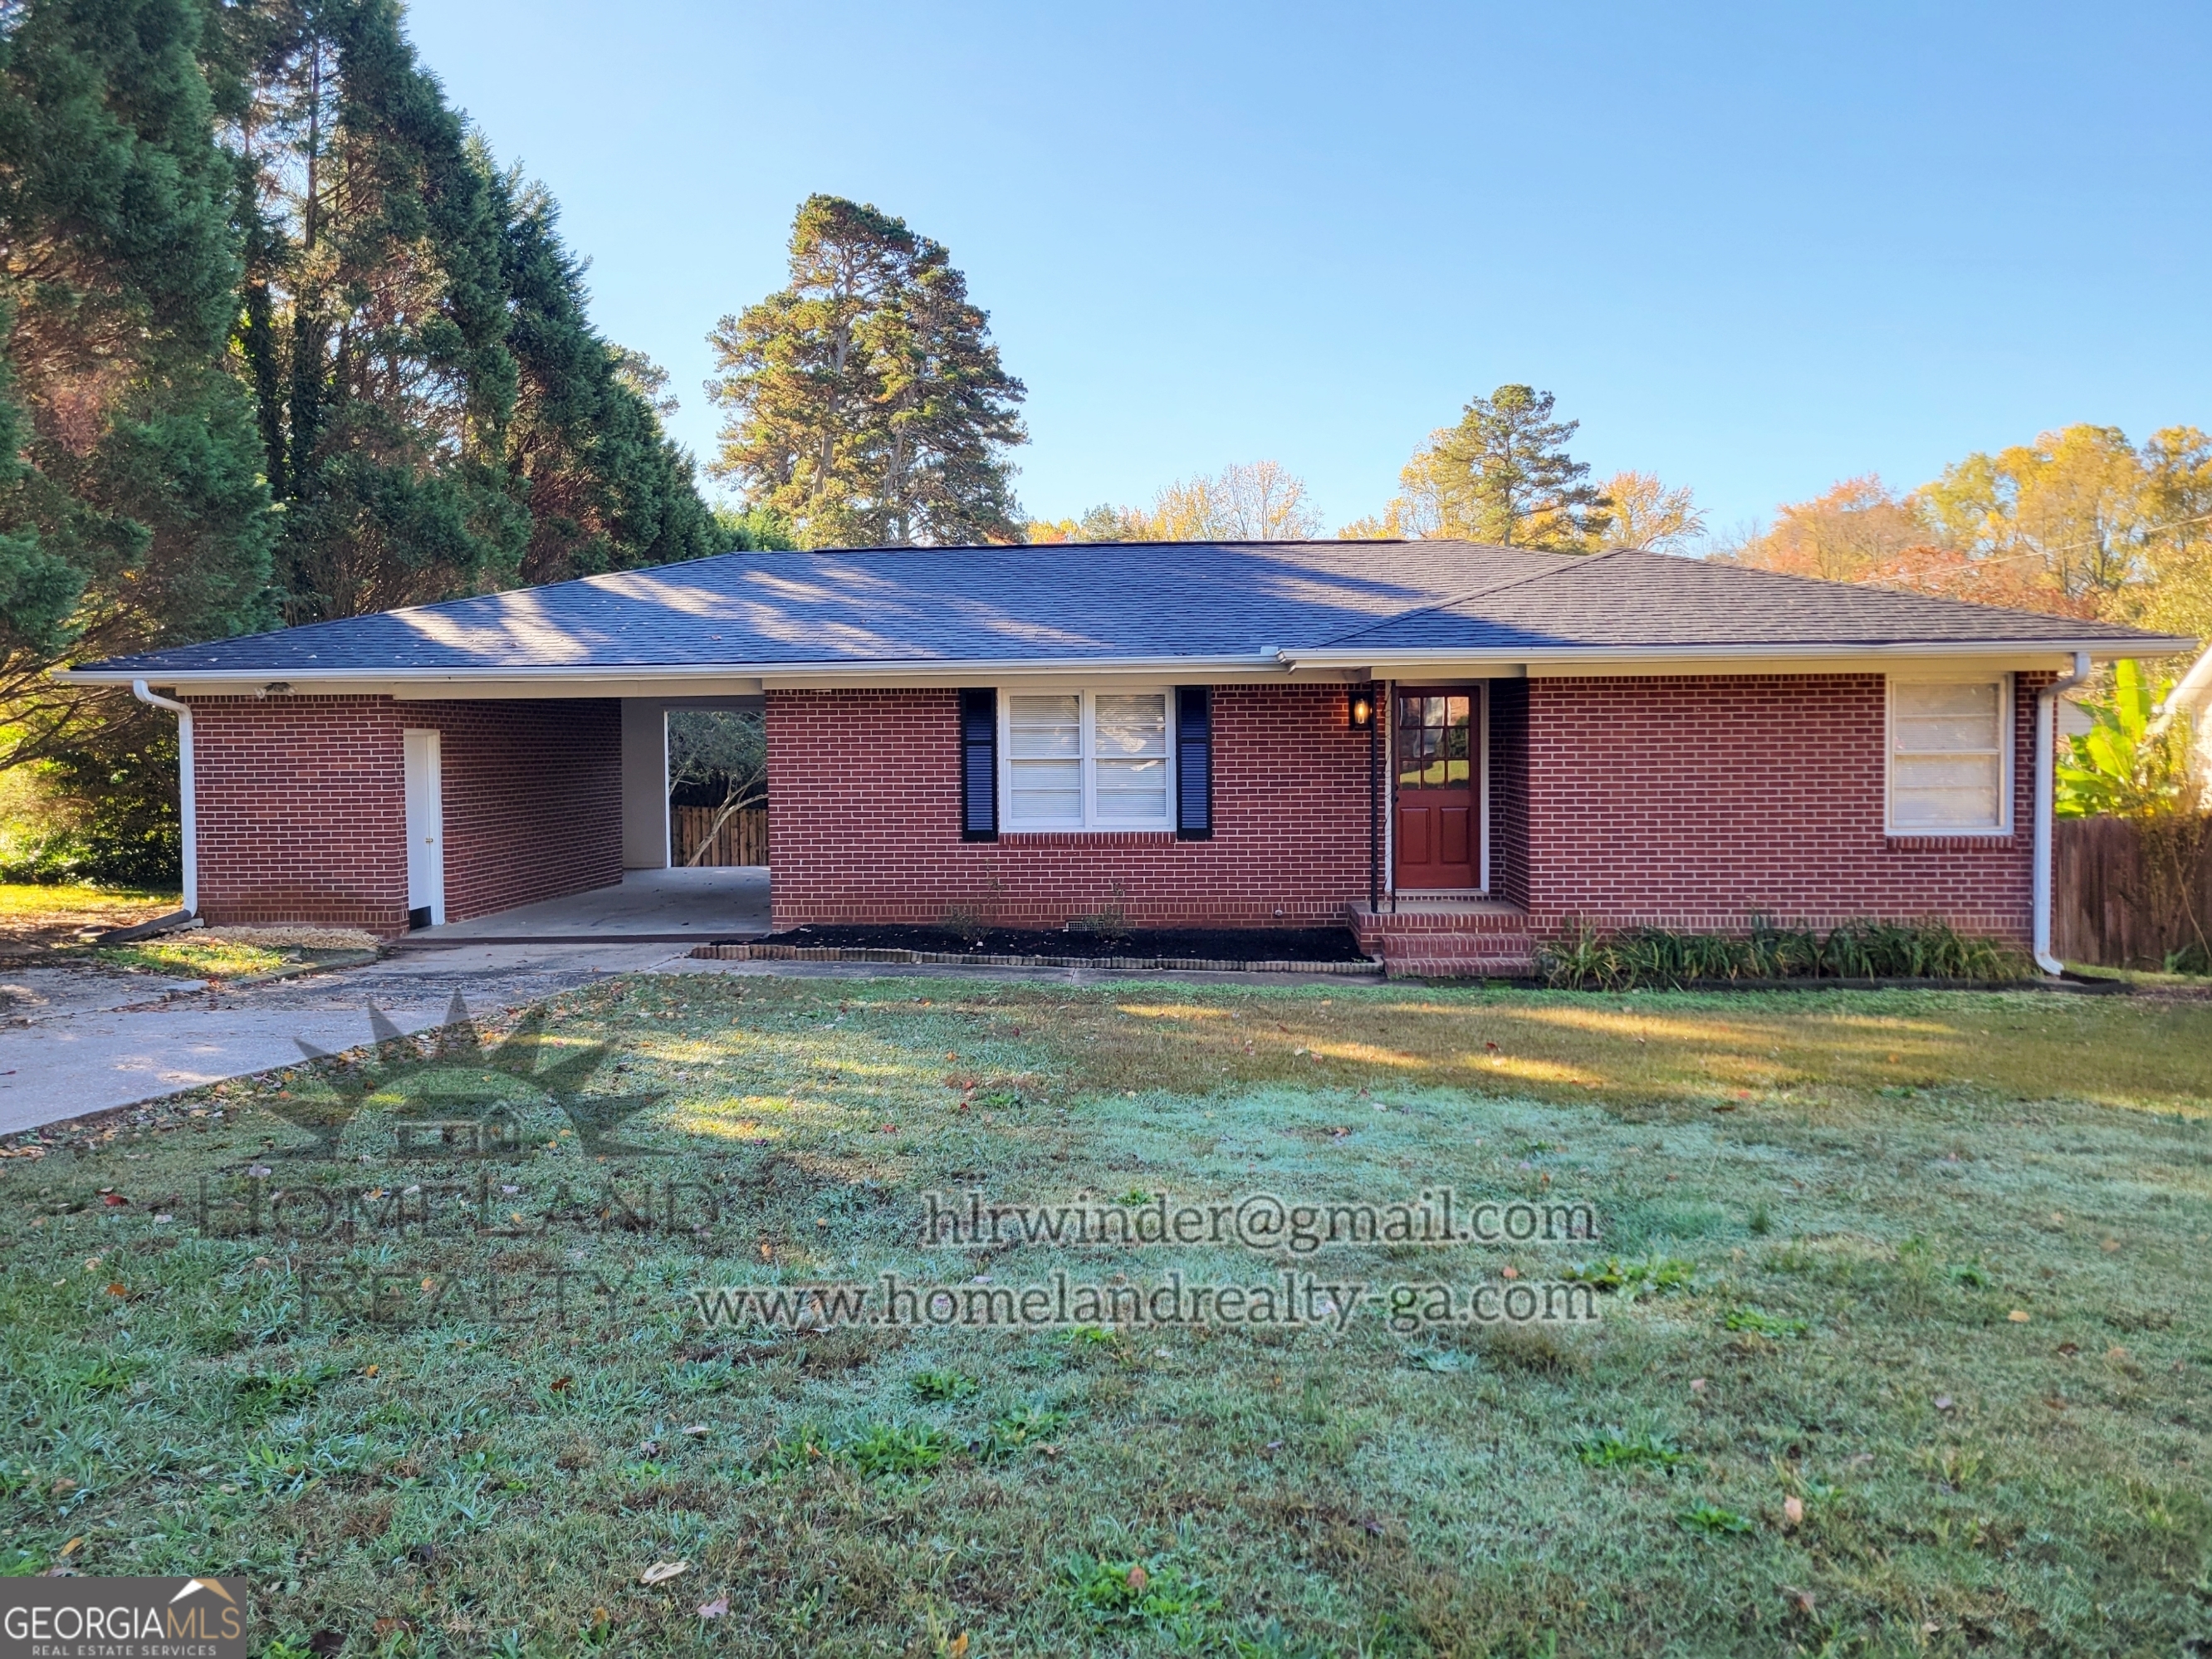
1103,602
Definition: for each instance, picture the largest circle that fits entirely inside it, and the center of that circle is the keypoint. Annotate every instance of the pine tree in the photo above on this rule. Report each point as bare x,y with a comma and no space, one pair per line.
1502,475
375,318
604,487
868,405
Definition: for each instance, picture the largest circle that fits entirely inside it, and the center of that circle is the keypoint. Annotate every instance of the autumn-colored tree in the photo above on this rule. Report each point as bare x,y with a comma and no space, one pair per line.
1254,501
1646,513
2073,506
868,405
2079,523
1841,535
2178,488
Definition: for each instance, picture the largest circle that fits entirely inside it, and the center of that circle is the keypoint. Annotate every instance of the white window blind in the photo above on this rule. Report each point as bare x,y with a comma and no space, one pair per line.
1946,755
1084,760
1044,751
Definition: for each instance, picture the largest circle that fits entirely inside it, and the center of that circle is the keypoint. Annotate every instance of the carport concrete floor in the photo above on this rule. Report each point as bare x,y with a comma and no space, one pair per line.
667,906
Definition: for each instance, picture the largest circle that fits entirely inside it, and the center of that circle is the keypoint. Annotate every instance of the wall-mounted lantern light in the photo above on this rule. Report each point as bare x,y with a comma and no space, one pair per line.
1363,709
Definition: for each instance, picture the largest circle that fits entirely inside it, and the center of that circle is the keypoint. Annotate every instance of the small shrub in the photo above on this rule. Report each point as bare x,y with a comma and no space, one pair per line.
968,923
1111,920
1584,958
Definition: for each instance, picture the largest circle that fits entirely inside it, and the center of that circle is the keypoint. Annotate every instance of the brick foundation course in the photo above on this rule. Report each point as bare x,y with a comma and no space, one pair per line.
301,804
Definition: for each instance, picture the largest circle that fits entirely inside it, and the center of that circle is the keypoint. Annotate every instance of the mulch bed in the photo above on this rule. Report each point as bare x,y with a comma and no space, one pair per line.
1211,944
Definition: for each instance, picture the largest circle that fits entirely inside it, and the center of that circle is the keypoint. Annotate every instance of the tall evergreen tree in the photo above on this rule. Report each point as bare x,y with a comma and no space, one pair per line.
867,404
132,512
376,320
605,488
1502,475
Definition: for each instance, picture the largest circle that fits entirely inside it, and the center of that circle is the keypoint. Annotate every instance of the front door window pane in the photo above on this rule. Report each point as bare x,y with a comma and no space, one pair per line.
1436,744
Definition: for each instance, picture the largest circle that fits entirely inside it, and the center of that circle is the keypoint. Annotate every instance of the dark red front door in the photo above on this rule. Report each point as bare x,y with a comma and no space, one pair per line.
1439,837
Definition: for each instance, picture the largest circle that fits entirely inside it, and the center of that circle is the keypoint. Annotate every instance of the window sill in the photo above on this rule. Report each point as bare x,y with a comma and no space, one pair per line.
1949,841
1102,836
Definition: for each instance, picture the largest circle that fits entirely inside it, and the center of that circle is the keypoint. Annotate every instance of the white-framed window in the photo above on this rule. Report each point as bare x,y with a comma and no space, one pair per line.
1087,760
1950,755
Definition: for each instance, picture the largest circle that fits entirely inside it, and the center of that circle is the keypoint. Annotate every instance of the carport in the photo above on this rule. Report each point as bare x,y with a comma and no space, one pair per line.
656,901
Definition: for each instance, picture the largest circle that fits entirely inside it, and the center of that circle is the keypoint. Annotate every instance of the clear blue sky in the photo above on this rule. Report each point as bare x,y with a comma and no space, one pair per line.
1754,248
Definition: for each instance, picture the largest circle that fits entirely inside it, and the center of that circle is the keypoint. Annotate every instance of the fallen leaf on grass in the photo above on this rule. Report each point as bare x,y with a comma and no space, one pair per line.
661,1571
1793,1511
1138,1578
2018,1316
716,1609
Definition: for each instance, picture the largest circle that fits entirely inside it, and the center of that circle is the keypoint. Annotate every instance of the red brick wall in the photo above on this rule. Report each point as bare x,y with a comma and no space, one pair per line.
864,820
301,805
1688,803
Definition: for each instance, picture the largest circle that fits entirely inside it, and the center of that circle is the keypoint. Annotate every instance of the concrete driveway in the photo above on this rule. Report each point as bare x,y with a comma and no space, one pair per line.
75,1041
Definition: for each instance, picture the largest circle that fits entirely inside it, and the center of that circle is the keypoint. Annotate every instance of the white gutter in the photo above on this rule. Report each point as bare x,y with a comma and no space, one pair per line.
1269,661
187,817
2046,787
2147,645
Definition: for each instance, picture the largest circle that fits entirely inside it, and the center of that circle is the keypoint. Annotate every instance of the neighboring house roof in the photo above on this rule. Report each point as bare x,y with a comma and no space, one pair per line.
1286,603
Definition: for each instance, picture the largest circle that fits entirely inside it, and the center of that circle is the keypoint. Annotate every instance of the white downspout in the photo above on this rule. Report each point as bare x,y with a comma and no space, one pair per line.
187,817
2046,789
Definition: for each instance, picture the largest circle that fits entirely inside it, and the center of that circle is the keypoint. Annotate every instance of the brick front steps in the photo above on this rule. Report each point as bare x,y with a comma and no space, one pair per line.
1447,939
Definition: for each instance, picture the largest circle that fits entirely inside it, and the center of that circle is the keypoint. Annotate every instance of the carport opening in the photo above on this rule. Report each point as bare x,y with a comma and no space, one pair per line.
717,788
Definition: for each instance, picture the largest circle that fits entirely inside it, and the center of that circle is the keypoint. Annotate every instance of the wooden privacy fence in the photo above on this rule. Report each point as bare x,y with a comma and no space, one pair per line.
2116,890
742,839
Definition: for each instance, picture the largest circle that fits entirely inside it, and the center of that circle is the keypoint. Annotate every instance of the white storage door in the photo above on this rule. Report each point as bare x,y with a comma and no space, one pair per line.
426,831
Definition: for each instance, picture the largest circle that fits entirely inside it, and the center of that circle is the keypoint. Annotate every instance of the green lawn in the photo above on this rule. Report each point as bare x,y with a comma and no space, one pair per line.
35,918
1904,1345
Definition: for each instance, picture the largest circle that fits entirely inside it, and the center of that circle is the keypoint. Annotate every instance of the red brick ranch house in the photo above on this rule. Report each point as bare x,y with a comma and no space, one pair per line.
1457,749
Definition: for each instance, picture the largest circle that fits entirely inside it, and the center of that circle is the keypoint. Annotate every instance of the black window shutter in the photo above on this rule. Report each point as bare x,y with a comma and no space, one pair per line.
979,765
1193,762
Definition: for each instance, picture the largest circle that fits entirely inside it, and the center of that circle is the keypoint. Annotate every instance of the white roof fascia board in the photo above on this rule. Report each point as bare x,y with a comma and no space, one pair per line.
1574,659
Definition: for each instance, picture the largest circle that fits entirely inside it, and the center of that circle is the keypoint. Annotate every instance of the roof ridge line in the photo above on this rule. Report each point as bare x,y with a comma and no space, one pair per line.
1478,592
